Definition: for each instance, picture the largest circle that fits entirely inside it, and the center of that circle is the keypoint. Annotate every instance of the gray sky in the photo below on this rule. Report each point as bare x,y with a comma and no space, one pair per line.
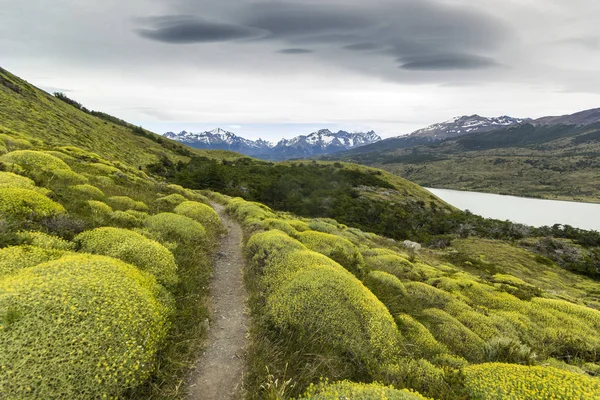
275,69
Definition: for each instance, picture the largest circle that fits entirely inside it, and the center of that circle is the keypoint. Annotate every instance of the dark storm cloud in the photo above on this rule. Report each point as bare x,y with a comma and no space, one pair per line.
181,30
295,51
449,62
424,35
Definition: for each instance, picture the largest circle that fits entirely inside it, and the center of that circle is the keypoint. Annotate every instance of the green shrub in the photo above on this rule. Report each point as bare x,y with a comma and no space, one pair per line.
35,162
422,296
322,226
388,289
280,224
509,350
80,327
419,375
333,313
168,203
457,337
264,248
88,191
16,204
393,264
449,361
102,169
509,381
298,225
202,213
124,203
64,177
99,211
176,228
15,258
123,219
248,212
45,241
335,247
188,194
132,248
12,143
419,342
10,180
357,391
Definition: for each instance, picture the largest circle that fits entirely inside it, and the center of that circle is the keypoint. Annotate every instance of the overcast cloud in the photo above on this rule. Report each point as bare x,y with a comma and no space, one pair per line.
279,68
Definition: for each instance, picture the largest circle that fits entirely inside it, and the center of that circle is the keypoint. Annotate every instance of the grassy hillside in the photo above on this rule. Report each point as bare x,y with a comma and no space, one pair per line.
554,162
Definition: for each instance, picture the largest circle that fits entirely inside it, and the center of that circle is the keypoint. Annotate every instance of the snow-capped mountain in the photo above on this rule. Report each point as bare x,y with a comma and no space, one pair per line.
464,125
320,142
219,139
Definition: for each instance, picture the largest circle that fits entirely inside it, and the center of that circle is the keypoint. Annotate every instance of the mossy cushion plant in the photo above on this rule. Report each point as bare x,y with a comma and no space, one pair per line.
168,203
508,381
176,228
201,213
357,391
336,248
132,248
336,314
80,327
388,289
19,204
124,203
45,241
11,180
16,258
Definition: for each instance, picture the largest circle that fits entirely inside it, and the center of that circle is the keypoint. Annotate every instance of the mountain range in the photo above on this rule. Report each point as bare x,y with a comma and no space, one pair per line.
321,142
551,157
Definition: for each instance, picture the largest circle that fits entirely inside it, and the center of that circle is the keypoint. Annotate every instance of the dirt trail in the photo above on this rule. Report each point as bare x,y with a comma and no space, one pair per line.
218,372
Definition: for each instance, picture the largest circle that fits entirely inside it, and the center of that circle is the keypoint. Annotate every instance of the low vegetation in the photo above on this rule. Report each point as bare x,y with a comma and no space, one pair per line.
440,322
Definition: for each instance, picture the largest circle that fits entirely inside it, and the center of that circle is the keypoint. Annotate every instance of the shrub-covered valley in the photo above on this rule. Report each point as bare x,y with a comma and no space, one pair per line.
361,284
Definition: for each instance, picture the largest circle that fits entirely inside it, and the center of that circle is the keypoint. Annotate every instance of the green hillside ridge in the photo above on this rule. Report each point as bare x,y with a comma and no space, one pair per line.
552,162
105,268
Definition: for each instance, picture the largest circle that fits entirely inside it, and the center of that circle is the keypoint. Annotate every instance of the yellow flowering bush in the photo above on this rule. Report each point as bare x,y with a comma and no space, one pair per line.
415,374
337,248
10,180
99,211
15,258
26,204
202,213
457,337
88,191
132,248
357,391
35,162
388,289
188,194
265,248
168,203
247,211
124,203
45,241
393,264
332,311
176,228
80,327
419,342
280,224
497,381
123,219
322,226
102,169
62,177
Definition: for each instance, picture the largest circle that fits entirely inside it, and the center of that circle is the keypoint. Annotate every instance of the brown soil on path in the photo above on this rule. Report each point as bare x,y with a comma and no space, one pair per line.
219,370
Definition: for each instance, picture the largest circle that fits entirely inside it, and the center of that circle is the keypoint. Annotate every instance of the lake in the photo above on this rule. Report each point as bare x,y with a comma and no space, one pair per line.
534,212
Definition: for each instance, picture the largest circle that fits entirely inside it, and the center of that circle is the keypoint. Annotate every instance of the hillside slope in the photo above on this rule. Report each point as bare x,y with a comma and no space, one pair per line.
27,110
547,160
